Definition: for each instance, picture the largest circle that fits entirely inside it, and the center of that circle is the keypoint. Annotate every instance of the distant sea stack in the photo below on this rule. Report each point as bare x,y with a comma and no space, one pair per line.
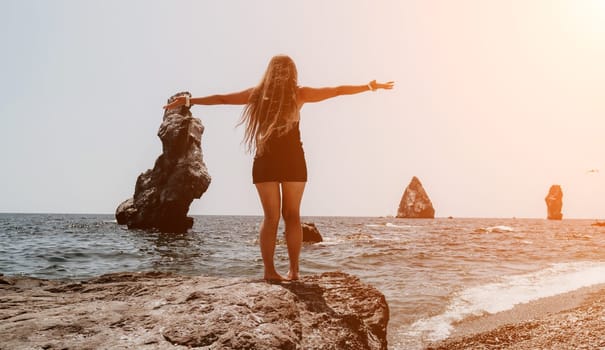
162,195
554,202
415,203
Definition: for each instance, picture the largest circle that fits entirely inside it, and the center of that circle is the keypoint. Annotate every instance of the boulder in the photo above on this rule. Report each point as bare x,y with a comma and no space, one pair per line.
415,203
554,203
156,310
311,233
162,195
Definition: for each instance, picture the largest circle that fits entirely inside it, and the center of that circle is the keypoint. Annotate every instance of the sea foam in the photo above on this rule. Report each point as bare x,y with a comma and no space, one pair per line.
506,293
495,229
389,224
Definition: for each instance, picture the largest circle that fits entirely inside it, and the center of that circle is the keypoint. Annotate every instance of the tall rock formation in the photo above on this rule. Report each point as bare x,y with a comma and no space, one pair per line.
162,195
554,202
415,203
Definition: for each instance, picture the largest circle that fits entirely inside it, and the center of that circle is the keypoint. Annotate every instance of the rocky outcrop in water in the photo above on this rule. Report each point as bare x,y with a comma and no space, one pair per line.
554,203
311,233
415,203
161,311
162,195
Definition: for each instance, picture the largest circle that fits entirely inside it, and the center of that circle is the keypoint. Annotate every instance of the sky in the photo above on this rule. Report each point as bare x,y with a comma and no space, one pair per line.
494,102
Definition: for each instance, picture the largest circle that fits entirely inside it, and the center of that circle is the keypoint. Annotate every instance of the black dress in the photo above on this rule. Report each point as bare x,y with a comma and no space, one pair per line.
283,159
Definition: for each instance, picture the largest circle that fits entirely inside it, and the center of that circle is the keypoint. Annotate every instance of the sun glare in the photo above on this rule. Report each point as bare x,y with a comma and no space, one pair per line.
588,16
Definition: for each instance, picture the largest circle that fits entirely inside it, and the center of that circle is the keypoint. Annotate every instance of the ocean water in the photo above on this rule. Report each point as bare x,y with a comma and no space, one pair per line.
432,272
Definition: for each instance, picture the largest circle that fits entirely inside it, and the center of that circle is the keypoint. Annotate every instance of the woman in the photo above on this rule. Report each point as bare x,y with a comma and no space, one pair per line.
271,117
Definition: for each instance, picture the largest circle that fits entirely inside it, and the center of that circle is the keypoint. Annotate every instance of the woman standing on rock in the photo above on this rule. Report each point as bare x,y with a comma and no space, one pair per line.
271,117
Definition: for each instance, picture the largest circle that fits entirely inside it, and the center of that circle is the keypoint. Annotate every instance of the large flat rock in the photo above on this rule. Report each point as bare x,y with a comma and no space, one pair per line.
163,311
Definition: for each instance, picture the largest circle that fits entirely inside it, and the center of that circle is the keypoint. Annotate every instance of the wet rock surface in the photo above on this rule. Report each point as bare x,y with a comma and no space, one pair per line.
311,233
163,311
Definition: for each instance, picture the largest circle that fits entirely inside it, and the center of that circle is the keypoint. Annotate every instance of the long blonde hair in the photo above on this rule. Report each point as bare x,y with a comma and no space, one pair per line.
272,106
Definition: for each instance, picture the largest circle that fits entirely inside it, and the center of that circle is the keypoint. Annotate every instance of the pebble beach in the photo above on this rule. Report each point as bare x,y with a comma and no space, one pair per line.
574,320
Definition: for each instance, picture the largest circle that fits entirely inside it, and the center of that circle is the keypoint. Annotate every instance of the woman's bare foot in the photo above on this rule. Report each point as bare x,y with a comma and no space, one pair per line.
273,277
292,276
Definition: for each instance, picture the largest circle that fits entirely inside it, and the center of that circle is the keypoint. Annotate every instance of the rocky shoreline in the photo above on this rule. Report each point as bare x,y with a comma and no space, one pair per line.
574,320
154,310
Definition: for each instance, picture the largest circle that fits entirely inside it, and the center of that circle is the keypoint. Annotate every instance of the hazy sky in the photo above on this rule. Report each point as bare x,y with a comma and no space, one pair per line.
494,101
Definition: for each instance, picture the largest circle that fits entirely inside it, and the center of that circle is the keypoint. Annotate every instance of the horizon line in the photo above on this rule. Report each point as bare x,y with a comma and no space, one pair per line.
327,216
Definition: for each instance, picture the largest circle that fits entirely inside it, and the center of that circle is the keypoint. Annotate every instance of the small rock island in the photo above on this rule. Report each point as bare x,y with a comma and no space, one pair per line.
311,233
415,203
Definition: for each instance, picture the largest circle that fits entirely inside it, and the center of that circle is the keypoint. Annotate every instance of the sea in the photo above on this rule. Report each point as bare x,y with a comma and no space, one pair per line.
433,272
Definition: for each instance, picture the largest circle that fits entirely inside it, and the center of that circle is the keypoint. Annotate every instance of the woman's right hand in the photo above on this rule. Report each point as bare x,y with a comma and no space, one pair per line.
178,101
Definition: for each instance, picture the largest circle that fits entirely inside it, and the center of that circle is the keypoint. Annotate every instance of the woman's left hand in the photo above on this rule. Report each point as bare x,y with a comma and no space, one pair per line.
387,86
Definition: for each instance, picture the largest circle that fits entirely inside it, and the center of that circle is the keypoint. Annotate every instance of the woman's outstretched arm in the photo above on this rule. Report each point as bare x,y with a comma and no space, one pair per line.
236,98
308,94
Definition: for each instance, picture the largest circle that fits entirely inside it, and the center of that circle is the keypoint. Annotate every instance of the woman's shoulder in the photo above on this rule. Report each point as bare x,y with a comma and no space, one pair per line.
302,94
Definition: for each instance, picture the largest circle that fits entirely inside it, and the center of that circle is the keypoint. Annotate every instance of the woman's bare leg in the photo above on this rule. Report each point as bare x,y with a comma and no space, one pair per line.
292,193
270,200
